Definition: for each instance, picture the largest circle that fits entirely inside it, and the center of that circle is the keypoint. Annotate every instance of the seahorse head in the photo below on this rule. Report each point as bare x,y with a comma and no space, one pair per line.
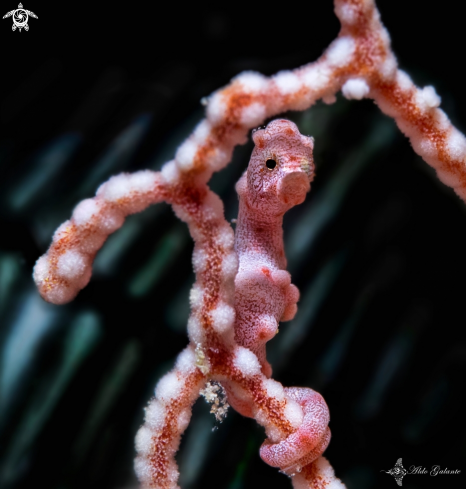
280,170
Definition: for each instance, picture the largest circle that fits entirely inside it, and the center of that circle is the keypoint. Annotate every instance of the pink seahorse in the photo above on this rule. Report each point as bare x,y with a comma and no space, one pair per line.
278,178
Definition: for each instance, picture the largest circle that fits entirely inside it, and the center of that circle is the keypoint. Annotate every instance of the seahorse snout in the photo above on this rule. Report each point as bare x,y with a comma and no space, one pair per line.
293,187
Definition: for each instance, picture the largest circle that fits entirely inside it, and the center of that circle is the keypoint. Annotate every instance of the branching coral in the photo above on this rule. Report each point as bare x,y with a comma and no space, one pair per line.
222,348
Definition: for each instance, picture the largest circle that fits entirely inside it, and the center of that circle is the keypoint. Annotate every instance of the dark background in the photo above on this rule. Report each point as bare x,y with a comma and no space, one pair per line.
377,250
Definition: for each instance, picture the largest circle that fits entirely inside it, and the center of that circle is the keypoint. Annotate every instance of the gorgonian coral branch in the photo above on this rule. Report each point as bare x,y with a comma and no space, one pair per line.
227,329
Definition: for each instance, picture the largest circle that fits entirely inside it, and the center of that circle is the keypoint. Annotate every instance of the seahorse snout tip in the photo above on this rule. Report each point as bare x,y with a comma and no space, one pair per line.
293,188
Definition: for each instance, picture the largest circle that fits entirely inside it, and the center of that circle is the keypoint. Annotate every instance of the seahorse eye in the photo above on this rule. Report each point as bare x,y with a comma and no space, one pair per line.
270,164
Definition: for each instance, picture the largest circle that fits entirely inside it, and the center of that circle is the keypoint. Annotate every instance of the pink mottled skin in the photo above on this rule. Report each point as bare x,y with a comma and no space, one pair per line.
307,443
278,178
264,293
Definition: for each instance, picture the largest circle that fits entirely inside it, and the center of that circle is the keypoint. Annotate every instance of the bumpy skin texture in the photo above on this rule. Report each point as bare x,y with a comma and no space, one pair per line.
265,195
307,443
278,177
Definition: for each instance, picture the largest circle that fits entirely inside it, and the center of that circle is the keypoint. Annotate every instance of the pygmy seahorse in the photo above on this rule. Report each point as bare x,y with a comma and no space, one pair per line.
277,178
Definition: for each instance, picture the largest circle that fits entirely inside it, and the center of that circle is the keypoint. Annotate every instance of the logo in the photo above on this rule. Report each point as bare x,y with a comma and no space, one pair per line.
20,18
398,471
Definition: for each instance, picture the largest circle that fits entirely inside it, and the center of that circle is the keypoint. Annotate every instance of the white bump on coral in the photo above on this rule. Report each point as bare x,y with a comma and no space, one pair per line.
274,389
171,172
427,98
85,211
404,81
186,361
115,188
223,317
325,475
246,361
169,387
287,82
185,155
172,470
385,37
62,231
426,148
261,417
388,67
225,236
92,243
217,158
110,220
456,145
346,13
200,259
71,264
340,51
83,279
230,266
202,131
441,120
316,77
355,89
431,97
143,440
141,187
293,413
142,469
216,107
183,419
252,82
195,297
41,269
155,415
195,330
273,432
253,114
61,294
142,181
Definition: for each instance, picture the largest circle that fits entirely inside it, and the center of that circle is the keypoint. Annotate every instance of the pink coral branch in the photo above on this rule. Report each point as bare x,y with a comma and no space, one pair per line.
167,416
67,266
233,314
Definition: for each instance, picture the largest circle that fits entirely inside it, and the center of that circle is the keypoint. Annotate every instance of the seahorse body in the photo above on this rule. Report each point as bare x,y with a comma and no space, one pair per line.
277,178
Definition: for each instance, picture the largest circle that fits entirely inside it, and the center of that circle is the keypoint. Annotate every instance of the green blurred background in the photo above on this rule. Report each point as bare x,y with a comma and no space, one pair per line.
377,249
